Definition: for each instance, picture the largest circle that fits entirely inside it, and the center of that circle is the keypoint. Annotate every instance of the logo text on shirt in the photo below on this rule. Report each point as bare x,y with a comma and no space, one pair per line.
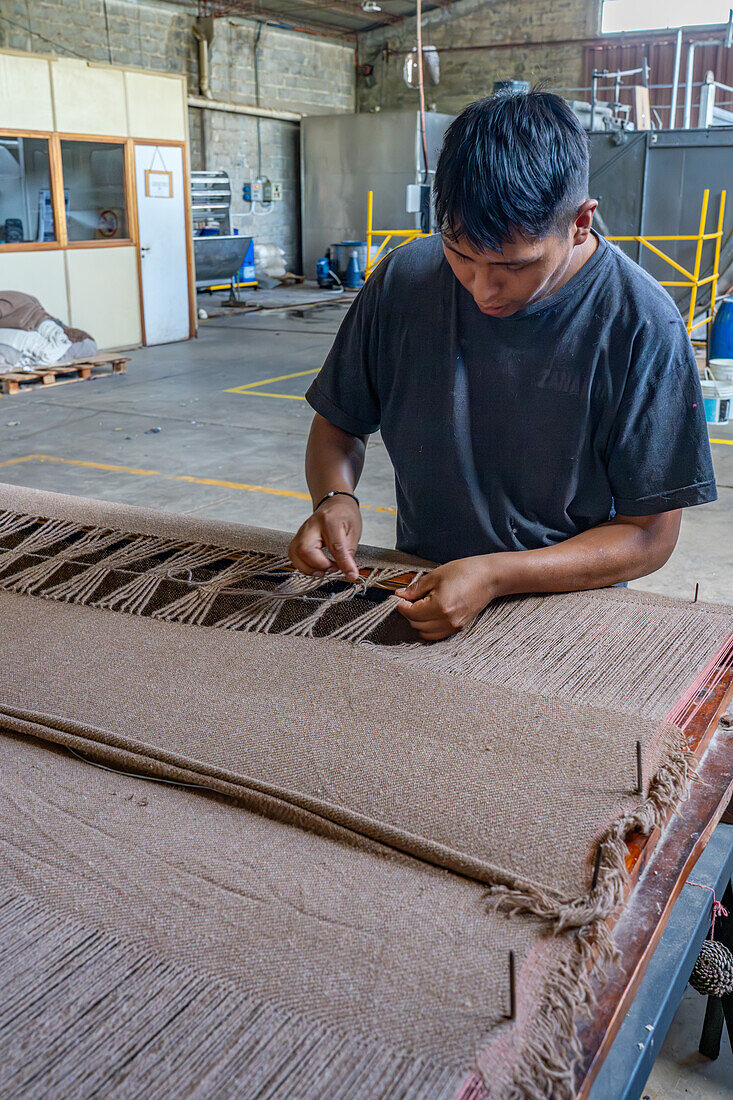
562,381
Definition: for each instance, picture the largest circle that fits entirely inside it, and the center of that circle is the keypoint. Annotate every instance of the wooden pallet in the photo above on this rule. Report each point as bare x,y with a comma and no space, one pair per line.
76,370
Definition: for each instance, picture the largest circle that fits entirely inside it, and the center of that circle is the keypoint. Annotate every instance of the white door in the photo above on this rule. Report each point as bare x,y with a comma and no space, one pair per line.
161,215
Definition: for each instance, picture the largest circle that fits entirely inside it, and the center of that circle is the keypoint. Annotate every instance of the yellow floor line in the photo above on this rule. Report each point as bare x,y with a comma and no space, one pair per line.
728,442
248,389
265,393
241,486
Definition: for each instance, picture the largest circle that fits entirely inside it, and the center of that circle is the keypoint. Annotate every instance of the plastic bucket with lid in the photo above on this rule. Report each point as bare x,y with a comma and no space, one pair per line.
718,399
722,369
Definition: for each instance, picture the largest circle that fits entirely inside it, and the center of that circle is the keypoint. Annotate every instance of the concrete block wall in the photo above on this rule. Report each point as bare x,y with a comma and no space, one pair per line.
297,72
468,74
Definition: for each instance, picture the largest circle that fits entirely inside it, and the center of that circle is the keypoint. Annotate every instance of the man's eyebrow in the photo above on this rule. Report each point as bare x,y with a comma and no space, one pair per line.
494,263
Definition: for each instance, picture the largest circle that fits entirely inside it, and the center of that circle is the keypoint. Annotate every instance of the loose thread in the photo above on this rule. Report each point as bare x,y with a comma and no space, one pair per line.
718,910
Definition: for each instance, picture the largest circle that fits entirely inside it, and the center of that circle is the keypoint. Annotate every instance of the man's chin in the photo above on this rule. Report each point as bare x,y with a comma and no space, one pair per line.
498,311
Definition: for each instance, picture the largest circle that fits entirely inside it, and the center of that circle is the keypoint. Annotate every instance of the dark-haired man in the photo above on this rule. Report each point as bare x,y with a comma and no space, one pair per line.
536,390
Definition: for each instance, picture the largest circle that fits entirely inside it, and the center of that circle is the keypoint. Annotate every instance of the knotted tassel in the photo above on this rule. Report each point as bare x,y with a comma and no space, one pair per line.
12,522
306,626
134,596
33,578
196,605
51,532
81,588
261,614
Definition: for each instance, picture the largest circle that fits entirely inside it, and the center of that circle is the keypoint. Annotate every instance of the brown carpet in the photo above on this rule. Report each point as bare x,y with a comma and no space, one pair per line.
398,781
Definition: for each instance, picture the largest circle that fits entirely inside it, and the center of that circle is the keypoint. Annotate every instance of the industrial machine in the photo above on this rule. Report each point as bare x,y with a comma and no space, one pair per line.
343,157
219,253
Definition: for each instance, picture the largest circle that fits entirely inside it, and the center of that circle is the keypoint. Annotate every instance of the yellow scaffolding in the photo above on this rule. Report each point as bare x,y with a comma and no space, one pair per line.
692,278
403,236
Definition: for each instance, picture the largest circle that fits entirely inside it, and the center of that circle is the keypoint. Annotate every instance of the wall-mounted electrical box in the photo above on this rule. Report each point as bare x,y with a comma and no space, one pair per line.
277,192
259,190
417,195
252,191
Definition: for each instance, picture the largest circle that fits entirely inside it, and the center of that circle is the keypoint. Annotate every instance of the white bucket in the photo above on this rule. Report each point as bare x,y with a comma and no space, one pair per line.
722,369
718,400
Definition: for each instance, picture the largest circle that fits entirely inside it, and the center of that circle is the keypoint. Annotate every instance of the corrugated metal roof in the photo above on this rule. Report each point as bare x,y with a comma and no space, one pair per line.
340,17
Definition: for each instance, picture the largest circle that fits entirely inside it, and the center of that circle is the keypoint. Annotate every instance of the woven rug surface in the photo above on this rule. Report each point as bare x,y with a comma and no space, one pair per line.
363,964
412,776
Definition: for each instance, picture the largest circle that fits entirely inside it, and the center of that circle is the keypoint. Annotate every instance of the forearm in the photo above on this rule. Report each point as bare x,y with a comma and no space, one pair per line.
617,551
333,460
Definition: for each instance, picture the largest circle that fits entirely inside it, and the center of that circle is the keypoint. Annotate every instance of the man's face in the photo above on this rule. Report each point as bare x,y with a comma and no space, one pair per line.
524,272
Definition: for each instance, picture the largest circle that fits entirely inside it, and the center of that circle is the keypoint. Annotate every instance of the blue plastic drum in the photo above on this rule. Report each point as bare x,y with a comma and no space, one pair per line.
721,333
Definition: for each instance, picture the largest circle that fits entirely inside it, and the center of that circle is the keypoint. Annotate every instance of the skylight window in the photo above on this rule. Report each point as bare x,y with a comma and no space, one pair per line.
644,15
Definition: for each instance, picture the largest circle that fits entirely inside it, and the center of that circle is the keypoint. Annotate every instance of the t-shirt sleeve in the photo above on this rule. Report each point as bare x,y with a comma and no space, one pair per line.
658,457
345,391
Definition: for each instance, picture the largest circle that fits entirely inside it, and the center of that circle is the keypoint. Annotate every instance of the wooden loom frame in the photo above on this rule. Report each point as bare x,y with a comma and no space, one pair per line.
640,926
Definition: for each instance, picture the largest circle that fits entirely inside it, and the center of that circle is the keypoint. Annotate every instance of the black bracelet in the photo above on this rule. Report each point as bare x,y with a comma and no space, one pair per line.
335,493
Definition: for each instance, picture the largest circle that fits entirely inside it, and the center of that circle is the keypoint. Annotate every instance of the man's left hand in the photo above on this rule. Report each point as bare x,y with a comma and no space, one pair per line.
444,601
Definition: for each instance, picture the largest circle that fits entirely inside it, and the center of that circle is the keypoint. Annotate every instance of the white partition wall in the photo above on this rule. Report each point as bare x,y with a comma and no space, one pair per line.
104,295
69,218
42,274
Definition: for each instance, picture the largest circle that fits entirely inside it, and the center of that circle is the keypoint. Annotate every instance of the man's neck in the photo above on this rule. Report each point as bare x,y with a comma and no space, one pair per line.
580,256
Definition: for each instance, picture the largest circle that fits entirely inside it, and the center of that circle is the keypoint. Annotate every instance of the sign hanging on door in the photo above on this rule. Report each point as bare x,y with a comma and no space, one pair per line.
158,184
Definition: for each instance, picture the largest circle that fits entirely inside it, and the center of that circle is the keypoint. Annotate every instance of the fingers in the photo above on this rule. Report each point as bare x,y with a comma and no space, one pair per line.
308,556
322,535
432,630
432,626
416,589
421,612
343,555
429,621
437,635
341,539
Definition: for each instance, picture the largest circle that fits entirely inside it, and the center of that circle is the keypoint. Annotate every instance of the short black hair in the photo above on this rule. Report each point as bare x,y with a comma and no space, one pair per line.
514,163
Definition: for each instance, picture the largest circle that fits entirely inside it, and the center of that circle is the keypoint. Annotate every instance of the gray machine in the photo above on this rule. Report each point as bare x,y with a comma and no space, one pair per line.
218,253
652,182
343,157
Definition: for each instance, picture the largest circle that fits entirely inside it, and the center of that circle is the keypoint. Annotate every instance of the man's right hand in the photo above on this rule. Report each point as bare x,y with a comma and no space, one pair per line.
335,529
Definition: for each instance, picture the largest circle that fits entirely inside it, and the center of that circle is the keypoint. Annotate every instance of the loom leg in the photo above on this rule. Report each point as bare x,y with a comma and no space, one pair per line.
719,1011
712,1029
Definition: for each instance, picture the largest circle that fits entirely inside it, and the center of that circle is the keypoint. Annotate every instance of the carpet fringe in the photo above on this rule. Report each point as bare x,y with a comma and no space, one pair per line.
86,1014
550,1047
667,788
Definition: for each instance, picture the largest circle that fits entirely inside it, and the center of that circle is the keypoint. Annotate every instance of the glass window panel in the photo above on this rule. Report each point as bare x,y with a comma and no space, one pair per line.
25,190
94,185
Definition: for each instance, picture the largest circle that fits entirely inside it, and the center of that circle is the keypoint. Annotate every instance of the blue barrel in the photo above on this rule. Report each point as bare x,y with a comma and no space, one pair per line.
721,333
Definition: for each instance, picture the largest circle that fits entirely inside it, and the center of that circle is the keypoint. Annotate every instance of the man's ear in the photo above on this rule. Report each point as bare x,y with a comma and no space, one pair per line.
584,221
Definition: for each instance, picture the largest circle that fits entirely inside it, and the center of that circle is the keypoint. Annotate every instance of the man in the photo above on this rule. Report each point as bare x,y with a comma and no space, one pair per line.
536,390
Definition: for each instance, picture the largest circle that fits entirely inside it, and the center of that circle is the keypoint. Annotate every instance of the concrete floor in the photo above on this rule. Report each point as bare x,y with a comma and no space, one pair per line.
239,456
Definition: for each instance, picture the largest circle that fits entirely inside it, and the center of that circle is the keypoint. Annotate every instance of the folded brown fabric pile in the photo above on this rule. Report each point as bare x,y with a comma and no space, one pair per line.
25,312
381,822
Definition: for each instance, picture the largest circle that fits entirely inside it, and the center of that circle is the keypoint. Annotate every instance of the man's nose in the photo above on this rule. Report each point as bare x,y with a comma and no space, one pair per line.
486,287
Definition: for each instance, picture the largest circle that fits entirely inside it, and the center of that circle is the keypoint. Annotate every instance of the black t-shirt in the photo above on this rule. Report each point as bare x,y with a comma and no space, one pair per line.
516,433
